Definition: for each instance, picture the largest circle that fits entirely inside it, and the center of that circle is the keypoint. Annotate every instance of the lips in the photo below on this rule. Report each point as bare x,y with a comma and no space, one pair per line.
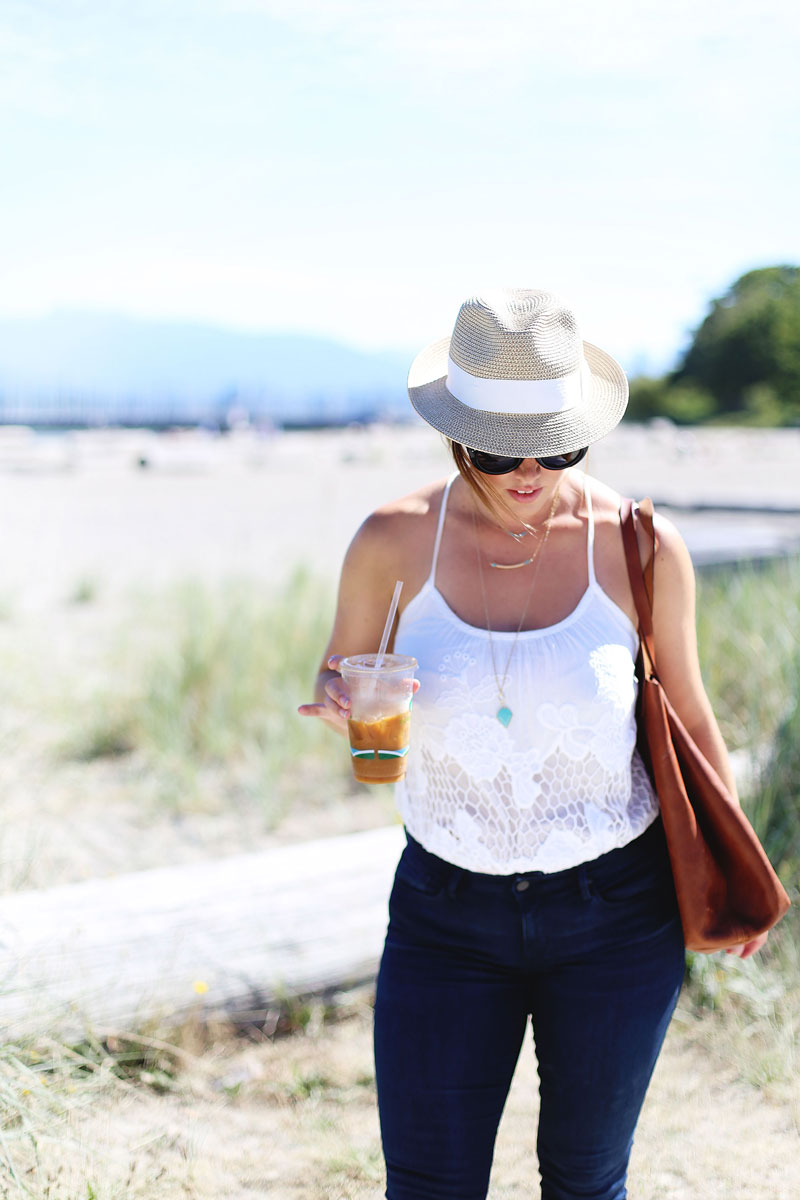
524,497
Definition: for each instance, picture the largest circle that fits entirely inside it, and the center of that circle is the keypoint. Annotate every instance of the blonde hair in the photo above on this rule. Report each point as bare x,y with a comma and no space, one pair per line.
476,483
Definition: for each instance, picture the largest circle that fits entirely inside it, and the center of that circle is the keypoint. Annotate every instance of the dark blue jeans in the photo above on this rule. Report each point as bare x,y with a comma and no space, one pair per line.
594,954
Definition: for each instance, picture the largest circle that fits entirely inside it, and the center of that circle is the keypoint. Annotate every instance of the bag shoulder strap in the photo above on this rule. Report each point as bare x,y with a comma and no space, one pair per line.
641,579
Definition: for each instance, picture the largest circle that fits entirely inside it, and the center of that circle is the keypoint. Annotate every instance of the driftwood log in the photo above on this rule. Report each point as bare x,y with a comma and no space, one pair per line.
235,934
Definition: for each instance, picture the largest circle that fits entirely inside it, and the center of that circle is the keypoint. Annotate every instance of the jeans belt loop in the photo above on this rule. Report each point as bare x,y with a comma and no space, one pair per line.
454,881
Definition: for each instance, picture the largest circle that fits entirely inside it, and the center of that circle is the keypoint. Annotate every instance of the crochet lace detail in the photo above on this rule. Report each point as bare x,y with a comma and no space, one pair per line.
562,784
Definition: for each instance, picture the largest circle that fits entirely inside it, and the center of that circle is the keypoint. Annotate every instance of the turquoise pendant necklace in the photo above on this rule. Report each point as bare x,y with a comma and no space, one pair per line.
504,713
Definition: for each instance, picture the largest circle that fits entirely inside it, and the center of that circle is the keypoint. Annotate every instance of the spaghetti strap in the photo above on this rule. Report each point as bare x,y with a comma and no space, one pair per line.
442,510
590,533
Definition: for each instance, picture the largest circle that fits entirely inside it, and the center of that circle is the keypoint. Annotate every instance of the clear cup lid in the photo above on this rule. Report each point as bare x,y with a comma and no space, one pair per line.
365,663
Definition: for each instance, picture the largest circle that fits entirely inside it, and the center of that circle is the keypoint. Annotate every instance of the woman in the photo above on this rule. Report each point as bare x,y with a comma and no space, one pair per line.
535,880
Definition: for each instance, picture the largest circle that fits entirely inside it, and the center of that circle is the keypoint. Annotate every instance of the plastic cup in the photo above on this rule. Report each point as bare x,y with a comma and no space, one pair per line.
380,714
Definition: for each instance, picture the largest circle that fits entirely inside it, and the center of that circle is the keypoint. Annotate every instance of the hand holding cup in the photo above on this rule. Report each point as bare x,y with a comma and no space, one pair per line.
373,695
335,706
380,714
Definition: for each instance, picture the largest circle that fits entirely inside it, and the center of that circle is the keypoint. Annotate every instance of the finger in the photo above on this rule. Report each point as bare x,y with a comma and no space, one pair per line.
328,712
745,949
751,947
334,660
337,694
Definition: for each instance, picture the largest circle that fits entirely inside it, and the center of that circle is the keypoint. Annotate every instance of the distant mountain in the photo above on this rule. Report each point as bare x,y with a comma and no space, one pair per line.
116,364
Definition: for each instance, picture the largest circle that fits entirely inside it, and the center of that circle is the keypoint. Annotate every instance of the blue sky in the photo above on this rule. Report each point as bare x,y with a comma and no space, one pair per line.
355,169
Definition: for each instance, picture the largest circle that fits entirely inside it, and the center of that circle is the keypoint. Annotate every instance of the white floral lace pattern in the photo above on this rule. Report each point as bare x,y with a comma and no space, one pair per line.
563,782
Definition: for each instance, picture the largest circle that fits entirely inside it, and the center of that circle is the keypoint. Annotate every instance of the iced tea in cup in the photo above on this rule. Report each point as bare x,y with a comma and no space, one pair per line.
380,714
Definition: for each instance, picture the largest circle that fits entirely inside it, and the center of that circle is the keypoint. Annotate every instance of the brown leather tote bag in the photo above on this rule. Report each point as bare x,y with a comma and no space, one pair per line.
727,890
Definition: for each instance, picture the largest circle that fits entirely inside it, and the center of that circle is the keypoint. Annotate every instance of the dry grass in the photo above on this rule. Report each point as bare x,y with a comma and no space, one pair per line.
294,1118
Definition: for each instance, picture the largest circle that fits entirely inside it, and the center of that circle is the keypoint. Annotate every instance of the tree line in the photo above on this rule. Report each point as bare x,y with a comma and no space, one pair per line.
743,363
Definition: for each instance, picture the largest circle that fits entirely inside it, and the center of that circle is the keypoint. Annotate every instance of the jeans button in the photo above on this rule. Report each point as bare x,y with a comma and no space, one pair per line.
522,885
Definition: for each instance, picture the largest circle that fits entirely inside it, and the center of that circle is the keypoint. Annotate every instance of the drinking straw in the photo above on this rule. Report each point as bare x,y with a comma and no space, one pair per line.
387,629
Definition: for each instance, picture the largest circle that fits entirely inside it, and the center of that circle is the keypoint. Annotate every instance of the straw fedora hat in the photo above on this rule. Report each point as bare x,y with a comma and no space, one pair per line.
516,378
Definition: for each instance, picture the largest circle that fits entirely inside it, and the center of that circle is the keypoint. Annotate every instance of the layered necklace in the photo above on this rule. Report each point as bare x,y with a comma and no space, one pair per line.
504,713
527,531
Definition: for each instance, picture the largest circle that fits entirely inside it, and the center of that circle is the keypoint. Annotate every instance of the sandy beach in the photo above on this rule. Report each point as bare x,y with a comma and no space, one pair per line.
131,508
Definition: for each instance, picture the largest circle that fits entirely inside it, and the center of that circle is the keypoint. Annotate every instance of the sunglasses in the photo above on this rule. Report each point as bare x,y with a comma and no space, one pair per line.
503,464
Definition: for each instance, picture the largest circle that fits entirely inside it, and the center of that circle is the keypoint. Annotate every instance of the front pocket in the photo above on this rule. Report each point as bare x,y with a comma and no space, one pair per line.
637,882
418,874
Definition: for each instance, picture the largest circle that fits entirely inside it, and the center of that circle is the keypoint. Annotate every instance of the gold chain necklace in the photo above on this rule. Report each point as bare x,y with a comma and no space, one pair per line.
528,531
504,713
513,566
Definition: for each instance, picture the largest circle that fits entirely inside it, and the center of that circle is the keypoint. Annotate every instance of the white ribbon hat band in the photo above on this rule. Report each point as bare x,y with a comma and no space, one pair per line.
523,396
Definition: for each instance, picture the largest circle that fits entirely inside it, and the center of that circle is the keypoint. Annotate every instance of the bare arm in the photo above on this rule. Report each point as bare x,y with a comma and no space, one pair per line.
675,645
371,567
675,641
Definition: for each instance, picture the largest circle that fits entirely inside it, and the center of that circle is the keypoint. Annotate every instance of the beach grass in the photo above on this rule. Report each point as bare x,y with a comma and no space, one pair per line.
750,654
749,644
203,684
747,631
749,648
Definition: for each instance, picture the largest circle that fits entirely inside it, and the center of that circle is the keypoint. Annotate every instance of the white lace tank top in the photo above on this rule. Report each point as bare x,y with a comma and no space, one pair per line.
563,783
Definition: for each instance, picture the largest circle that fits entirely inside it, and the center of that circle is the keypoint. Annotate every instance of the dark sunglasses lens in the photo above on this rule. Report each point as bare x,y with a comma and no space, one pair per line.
492,464
560,462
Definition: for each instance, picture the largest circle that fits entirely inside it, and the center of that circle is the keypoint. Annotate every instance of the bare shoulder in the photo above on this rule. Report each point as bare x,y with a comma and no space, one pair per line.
673,563
668,539
398,518
400,532
670,546
418,504
605,509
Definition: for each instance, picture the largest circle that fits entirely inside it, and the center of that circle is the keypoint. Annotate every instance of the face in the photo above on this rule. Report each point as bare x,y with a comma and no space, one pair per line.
526,490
